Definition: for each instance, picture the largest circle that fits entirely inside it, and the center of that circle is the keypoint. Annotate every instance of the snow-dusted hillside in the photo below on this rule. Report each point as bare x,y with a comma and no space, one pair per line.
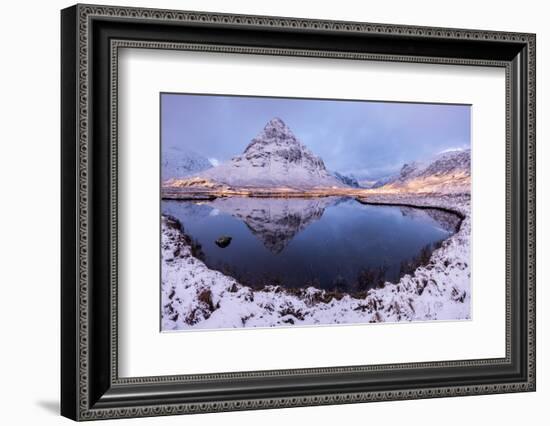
447,172
179,162
450,162
347,180
273,159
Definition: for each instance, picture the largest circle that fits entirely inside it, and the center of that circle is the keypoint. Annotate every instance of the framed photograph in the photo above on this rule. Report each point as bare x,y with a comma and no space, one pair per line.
263,212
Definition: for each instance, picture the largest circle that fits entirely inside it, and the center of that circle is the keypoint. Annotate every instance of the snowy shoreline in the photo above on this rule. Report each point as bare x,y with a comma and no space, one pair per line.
196,297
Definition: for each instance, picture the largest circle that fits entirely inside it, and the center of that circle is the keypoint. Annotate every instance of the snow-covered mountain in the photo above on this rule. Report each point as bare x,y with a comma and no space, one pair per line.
447,171
367,183
450,162
347,180
275,158
178,162
385,180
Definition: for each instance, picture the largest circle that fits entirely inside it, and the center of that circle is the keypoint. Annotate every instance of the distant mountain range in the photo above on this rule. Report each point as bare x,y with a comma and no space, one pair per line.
276,159
349,180
178,162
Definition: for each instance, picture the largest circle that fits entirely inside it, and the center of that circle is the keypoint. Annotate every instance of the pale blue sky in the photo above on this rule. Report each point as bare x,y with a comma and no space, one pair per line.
368,139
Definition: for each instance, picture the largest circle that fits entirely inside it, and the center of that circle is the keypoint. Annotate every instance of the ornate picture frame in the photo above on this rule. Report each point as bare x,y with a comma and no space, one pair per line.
91,37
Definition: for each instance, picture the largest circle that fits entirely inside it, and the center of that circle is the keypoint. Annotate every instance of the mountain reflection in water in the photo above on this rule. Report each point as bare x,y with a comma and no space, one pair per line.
326,242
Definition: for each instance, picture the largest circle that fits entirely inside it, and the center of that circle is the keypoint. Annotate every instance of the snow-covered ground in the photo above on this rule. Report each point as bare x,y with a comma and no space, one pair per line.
195,297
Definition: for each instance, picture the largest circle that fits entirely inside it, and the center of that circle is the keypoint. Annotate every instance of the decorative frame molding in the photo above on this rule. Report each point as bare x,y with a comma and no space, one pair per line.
91,37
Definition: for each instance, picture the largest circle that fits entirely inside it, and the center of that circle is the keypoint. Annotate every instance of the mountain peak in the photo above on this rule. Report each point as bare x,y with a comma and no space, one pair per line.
409,170
276,122
275,157
274,133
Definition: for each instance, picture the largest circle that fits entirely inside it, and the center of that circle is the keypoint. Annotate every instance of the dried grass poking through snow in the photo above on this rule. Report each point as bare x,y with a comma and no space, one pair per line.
195,297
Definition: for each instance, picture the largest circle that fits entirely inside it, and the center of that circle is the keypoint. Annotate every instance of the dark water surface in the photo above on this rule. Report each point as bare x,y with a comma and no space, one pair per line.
330,243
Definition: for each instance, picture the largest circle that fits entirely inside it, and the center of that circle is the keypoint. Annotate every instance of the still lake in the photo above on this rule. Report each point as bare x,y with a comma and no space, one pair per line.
329,243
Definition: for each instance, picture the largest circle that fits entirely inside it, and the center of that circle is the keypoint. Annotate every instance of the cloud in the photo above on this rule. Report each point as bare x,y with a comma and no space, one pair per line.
458,148
214,161
375,172
374,138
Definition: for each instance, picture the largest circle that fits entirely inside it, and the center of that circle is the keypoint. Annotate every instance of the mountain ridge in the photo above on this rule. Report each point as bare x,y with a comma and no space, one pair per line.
276,161
446,171
274,158
178,162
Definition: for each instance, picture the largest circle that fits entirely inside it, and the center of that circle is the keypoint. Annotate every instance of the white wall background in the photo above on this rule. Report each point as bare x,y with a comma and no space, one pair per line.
29,213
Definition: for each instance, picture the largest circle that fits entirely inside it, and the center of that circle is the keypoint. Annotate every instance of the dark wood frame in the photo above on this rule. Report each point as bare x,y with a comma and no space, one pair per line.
91,37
